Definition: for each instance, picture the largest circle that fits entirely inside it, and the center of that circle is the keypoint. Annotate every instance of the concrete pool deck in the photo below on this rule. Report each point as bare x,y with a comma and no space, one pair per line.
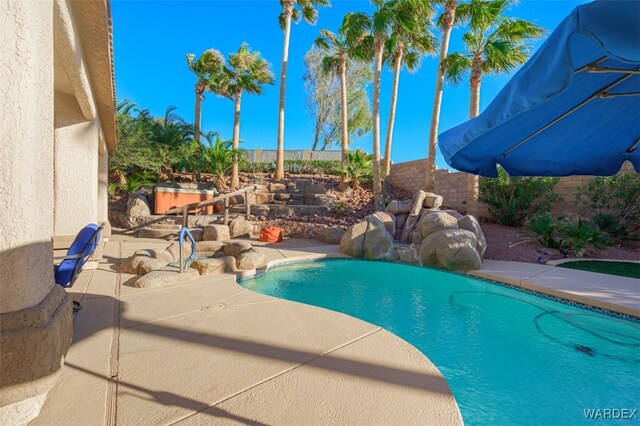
210,352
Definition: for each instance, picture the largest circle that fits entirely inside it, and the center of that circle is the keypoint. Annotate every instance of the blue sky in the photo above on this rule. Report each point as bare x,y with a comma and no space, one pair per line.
151,39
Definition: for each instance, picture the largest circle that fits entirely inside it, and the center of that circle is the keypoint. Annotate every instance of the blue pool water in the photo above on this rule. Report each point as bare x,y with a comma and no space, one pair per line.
509,357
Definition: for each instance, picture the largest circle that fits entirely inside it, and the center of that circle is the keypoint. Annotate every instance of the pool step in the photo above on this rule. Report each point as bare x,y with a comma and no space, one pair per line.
167,232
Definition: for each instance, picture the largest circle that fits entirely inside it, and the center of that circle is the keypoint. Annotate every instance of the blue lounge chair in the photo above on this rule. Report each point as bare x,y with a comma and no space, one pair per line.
81,249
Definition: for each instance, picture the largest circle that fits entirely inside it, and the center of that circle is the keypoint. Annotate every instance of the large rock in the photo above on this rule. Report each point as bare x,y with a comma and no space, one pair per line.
368,239
352,242
210,249
416,237
453,249
147,265
154,254
139,207
324,200
250,259
454,213
436,221
331,235
471,224
388,219
409,226
407,254
174,249
432,201
275,187
418,200
215,266
399,207
235,248
216,233
315,188
401,219
165,277
240,227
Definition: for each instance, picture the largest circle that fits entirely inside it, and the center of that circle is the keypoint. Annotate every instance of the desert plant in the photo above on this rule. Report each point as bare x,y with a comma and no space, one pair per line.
217,158
581,237
577,237
511,199
544,227
357,168
615,204
137,181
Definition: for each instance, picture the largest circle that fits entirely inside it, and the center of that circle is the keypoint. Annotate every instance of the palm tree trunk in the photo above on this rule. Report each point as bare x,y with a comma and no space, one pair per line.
392,111
377,187
447,25
279,173
196,119
345,113
473,190
235,179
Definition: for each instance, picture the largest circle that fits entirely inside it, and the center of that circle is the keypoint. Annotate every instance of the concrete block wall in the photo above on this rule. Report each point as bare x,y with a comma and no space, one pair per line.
452,186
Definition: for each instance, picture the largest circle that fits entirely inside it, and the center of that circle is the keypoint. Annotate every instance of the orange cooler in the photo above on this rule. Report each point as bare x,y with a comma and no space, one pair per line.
168,198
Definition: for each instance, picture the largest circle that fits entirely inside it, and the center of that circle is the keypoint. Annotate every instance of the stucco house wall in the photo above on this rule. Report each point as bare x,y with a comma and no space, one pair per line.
57,121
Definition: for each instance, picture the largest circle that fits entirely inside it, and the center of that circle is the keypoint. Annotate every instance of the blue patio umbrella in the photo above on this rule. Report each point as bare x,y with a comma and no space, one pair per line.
572,109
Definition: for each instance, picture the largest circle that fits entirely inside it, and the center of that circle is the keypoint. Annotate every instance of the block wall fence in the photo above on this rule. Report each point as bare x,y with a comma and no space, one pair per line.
452,186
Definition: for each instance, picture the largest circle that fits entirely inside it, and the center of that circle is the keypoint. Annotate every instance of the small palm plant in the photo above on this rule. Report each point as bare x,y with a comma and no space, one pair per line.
357,167
218,157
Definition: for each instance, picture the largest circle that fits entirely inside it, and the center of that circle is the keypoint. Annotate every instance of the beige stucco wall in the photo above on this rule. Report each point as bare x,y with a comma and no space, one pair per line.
103,187
76,167
26,153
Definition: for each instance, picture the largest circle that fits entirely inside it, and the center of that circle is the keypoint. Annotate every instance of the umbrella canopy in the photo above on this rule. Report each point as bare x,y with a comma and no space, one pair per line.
572,109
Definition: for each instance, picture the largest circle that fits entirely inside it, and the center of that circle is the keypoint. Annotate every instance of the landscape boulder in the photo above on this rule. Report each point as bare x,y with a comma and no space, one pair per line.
165,277
240,227
216,233
471,224
139,207
453,249
250,259
331,235
435,221
432,201
368,239
235,248
388,219
218,265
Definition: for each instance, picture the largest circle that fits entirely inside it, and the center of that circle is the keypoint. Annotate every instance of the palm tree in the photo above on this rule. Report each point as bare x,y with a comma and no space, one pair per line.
495,44
338,50
387,16
208,68
292,11
445,22
247,72
405,48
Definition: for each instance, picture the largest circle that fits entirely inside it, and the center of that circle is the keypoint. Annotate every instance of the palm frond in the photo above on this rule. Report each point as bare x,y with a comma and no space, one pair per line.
456,66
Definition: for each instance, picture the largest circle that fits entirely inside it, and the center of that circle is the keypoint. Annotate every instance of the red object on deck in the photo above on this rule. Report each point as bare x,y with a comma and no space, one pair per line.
271,234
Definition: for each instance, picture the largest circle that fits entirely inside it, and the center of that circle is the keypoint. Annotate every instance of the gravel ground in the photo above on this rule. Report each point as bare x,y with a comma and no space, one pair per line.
506,243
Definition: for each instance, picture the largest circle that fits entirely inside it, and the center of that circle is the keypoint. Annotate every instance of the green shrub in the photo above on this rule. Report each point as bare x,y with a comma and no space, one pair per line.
358,167
136,181
577,237
247,167
307,167
614,203
511,199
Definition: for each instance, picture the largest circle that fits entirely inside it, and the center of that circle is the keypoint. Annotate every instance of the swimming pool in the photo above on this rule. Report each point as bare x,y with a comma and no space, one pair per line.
509,357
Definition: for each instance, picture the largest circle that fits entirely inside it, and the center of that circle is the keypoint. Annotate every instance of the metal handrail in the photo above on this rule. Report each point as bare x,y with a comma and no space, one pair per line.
185,231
